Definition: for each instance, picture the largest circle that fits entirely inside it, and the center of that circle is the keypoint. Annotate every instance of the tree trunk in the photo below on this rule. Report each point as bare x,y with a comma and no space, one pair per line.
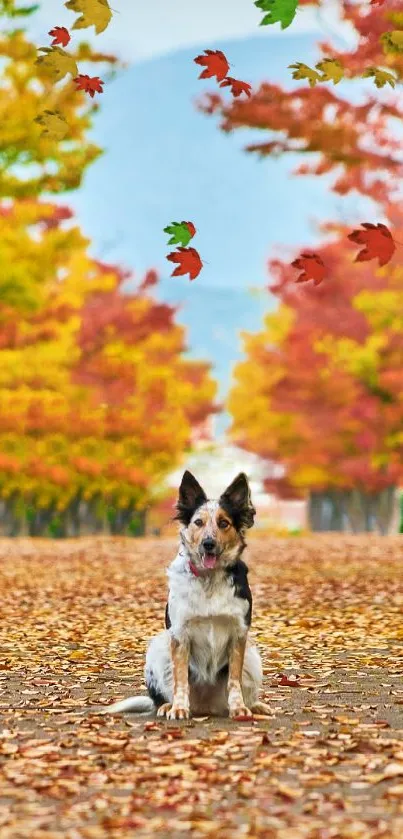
339,511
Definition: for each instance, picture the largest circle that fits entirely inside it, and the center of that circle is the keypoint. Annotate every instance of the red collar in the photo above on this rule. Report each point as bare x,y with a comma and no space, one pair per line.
193,569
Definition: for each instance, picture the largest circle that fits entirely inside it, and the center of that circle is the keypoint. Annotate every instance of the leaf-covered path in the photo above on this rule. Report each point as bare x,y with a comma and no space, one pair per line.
75,617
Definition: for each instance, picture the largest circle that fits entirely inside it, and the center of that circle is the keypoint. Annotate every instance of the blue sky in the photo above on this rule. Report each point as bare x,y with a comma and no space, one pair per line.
165,161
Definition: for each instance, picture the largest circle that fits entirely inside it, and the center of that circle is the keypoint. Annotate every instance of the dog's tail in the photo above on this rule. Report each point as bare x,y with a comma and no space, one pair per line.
138,704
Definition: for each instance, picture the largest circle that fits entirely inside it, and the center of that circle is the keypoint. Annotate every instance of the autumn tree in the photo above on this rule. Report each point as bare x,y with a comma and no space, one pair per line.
321,389
97,400
354,142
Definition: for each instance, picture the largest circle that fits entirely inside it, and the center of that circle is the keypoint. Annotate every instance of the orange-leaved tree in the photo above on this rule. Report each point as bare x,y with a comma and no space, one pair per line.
88,430
352,141
97,400
321,389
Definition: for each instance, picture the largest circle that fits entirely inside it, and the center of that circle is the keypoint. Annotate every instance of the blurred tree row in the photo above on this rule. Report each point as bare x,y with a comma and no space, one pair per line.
321,388
97,398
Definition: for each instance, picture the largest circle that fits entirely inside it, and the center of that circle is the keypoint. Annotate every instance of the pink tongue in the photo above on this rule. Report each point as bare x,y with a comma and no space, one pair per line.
210,560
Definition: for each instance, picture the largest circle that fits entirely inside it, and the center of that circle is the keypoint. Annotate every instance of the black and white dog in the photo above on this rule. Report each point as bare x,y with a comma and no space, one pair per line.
203,662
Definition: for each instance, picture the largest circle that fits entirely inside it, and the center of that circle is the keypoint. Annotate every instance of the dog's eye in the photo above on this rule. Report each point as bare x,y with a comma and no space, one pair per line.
223,524
198,522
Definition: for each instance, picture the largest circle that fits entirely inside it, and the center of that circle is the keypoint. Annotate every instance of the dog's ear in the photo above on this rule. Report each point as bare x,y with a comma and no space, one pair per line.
191,496
236,500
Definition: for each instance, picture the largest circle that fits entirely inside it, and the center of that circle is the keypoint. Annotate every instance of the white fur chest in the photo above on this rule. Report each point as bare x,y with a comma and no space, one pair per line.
205,614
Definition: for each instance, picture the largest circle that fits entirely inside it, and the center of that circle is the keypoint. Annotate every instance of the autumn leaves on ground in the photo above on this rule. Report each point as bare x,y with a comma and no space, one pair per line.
327,763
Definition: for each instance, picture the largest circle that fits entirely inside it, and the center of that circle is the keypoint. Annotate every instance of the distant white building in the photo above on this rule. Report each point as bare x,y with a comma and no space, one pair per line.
215,465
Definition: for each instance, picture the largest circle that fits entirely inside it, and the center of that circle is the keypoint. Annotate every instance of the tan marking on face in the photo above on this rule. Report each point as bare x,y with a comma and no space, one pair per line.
212,521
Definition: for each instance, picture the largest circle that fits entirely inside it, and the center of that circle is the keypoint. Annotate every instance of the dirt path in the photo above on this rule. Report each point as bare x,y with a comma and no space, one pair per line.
75,617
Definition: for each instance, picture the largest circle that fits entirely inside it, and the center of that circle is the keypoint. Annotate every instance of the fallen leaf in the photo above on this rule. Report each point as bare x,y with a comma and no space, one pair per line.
395,792
287,681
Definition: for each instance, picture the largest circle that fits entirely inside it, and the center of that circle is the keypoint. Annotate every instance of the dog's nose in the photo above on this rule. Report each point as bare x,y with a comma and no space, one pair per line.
209,545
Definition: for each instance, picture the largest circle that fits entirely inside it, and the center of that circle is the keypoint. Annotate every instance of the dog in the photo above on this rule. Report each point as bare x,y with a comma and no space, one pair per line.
203,663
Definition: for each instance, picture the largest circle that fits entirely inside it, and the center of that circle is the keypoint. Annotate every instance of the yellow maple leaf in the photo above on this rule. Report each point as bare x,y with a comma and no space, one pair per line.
302,71
381,77
54,124
392,41
57,63
332,70
93,13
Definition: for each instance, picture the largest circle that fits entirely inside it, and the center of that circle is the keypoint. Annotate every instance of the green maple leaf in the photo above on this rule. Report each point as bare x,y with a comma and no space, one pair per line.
279,11
180,233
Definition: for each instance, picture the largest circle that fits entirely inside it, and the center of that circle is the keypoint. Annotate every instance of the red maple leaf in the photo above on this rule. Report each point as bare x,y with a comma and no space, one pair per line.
90,84
377,2
215,63
312,268
378,242
236,86
287,681
60,35
188,260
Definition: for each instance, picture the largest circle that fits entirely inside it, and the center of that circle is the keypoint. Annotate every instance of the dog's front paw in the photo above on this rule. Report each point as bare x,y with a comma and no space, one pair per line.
239,710
163,709
178,712
173,712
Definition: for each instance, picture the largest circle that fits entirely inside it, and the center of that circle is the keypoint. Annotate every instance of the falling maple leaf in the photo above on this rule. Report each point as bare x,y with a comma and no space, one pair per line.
237,87
54,124
57,63
377,240
215,63
278,11
331,69
303,71
188,260
180,232
392,41
90,84
312,267
60,35
381,77
92,13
